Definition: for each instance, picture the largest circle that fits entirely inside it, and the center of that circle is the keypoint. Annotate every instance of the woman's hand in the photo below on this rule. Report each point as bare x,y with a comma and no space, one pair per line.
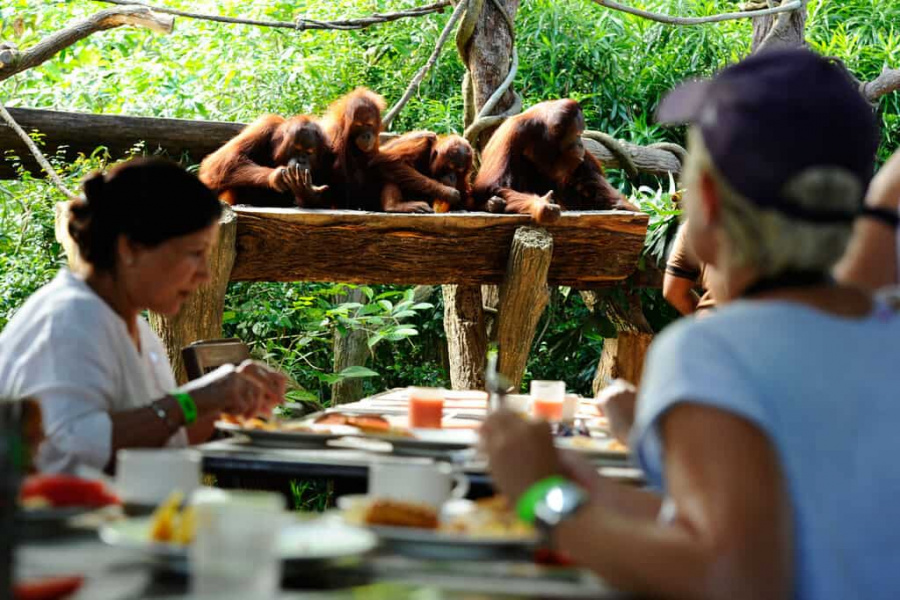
250,389
617,401
521,453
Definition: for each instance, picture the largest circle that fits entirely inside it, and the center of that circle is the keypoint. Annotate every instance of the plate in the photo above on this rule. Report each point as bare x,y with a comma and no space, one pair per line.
433,440
289,438
440,545
298,544
592,447
36,523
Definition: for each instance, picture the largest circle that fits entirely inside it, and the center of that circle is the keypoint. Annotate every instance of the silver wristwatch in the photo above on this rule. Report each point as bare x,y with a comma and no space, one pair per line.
559,503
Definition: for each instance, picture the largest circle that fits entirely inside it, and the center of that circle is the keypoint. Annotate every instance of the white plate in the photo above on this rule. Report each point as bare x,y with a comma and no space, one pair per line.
290,438
317,540
431,439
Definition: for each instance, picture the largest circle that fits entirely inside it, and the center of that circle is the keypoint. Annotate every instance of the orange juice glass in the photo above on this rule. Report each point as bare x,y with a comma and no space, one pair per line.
426,408
547,399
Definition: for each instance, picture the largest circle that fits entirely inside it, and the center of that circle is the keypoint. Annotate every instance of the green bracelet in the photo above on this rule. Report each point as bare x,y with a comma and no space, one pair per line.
188,406
528,500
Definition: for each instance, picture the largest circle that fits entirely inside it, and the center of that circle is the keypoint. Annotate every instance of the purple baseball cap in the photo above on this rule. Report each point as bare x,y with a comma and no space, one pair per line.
776,116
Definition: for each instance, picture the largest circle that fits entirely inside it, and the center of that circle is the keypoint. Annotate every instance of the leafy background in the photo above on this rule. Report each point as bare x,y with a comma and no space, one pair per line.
617,66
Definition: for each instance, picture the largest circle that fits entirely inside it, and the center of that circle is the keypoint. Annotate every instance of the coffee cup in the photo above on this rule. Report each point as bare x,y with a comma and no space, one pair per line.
146,476
417,481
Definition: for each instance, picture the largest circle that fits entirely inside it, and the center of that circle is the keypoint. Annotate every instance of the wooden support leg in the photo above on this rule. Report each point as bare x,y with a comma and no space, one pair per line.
350,350
622,356
466,338
523,297
201,315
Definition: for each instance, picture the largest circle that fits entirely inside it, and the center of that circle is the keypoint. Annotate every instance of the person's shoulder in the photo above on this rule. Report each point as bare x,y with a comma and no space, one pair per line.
65,302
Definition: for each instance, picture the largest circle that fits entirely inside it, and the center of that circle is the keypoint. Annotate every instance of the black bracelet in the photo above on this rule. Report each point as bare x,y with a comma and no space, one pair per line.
888,216
163,415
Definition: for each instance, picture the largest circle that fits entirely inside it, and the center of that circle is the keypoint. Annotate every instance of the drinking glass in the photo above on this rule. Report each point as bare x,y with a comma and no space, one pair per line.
547,399
426,407
235,551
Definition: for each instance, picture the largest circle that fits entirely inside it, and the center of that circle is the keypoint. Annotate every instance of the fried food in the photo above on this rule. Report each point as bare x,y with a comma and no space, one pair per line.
373,424
258,424
401,514
171,524
492,518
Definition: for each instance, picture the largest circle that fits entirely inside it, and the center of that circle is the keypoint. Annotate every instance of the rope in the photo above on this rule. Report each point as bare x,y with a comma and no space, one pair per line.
300,24
38,155
420,75
669,20
626,163
477,123
679,151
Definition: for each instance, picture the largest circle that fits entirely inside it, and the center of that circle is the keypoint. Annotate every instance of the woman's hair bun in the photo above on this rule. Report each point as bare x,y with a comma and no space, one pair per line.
93,186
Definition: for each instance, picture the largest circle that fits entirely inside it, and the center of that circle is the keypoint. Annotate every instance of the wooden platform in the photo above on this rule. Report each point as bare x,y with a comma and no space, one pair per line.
589,248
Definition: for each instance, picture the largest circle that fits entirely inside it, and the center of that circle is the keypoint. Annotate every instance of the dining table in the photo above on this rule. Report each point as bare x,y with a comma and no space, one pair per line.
111,573
236,461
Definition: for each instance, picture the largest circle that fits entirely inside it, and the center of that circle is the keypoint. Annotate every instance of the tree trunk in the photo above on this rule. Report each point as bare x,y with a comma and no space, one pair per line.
200,318
523,297
350,350
784,30
487,56
466,341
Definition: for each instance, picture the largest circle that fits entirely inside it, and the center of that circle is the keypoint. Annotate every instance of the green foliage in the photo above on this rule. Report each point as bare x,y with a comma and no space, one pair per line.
618,66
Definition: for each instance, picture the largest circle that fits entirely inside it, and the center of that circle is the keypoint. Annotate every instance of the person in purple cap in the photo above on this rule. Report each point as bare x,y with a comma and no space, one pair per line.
767,430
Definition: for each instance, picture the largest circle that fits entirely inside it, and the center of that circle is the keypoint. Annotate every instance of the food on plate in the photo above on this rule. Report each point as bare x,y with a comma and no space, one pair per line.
172,524
581,442
60,491
371,424
492,518
394,513
49,588
257,424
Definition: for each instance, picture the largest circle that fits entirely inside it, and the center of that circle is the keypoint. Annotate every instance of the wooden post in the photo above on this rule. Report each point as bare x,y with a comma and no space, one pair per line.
623,356
201,315
466,338
523,297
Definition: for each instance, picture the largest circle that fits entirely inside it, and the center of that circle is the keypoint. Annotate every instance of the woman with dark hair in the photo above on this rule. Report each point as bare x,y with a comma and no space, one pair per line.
145,230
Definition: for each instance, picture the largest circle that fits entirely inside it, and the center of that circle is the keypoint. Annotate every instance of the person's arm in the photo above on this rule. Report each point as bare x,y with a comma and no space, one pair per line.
679,292
246,390
682,271
870,260
731,536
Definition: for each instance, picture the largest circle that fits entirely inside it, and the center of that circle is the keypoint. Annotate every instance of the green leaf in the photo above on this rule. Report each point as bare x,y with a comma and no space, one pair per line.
357,372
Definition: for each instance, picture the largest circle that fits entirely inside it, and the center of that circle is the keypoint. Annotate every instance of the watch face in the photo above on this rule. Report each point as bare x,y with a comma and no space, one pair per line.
559,503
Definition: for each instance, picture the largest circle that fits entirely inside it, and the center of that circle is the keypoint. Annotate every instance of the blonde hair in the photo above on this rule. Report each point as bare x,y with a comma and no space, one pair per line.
769,241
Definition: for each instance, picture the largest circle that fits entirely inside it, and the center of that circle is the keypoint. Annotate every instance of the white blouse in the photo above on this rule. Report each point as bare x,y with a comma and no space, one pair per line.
69,349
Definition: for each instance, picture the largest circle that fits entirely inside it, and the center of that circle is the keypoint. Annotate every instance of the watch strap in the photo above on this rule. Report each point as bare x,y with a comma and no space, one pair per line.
157,408
888,216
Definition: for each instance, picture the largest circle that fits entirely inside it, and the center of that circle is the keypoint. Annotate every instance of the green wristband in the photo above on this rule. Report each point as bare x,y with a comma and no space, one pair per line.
188,406
528,500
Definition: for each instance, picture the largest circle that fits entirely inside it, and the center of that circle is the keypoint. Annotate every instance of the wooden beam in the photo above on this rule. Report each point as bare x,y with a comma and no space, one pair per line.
68,134
590,248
